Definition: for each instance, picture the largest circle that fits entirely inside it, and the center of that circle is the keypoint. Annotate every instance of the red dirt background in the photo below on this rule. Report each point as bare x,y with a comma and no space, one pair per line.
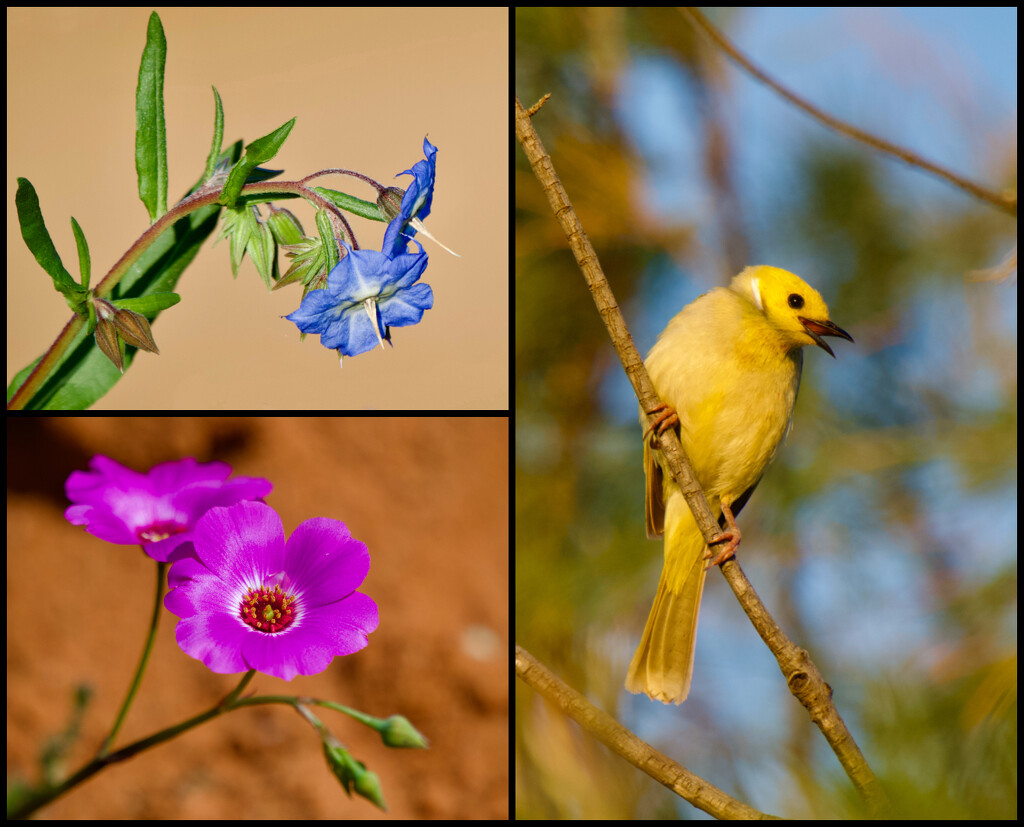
429,496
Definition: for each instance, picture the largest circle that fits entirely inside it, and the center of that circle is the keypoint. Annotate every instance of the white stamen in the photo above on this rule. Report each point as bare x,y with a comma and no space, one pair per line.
420,228
371,310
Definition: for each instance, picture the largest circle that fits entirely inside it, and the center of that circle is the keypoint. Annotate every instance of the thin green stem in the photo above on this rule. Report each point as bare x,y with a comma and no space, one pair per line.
231,698
228,703
99,762
161,572
362,717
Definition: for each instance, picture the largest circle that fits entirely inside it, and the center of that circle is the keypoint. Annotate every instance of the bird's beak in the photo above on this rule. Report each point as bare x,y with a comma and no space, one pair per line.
817,329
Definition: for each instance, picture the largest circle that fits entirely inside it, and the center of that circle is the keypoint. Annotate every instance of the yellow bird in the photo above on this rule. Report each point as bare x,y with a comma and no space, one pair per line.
727,368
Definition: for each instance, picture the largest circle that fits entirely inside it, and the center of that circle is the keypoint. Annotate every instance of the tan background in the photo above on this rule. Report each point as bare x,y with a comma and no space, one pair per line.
366,85
428,497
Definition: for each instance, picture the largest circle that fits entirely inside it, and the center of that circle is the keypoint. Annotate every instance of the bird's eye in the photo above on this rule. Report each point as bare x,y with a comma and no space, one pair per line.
796,301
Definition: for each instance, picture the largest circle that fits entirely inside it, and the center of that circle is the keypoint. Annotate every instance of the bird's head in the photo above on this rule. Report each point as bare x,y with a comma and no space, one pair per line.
790,304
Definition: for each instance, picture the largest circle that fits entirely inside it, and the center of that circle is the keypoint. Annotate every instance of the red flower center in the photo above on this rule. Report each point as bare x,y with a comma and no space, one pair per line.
268,610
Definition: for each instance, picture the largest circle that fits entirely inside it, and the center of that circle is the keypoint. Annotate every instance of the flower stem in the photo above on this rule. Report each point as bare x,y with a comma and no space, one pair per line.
231,697
362,717
161,571
232,701
41,797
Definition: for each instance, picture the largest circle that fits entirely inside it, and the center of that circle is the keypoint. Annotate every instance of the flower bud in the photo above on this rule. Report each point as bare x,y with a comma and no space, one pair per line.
285,226
397,731
389,202
108,343
134,329
368,786
352,774
116,326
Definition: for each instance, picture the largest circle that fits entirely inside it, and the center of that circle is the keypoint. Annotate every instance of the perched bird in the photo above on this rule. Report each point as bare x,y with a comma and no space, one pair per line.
727,369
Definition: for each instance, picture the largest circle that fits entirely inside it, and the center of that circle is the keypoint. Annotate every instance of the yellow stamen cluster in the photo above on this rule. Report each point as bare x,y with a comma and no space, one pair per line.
268,610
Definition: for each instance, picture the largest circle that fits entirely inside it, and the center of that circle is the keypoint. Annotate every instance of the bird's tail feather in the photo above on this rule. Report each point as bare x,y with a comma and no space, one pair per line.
663,663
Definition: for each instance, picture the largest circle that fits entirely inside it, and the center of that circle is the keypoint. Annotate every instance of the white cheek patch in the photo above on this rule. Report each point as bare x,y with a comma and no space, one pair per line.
755,288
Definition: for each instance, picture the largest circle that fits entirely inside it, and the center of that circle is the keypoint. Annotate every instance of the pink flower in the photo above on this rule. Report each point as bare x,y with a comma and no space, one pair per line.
249,600
157,509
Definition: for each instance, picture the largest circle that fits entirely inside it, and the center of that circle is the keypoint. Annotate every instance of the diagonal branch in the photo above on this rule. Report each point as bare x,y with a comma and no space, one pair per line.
621,741
802,676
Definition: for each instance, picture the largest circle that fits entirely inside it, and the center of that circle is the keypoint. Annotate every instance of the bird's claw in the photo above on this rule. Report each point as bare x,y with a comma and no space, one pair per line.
666,420
731,537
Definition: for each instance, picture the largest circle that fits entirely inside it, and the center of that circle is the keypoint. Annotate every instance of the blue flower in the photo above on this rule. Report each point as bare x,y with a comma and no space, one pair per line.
367,293
415,203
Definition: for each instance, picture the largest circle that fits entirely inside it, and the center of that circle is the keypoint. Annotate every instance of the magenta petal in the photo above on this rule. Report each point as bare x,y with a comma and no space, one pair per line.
325,560
355,618
204,637
242,568
157,509
242,542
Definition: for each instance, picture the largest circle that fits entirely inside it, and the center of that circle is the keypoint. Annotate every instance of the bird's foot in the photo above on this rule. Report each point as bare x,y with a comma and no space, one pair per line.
731,537
666,420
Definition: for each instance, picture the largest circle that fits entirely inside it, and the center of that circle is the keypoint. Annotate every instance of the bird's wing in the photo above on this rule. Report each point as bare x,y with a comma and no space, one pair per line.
655,498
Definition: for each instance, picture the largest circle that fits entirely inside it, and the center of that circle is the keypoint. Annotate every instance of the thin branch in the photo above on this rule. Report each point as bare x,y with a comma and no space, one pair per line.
1006,202
610,314
621,741
802,676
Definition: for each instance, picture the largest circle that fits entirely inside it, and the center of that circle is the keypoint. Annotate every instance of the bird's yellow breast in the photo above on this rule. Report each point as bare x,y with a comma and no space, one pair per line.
733,383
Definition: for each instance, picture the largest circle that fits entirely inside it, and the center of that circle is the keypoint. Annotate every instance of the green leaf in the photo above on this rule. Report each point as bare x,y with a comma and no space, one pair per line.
262,250
150,129
218,135
84,262
356,206
150,305
84,374
20,377
258,152
37,239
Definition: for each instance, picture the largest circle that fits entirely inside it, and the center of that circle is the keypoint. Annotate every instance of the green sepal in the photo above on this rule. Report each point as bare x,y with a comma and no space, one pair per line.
92,318
327,239
249,234
308,261
263,252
